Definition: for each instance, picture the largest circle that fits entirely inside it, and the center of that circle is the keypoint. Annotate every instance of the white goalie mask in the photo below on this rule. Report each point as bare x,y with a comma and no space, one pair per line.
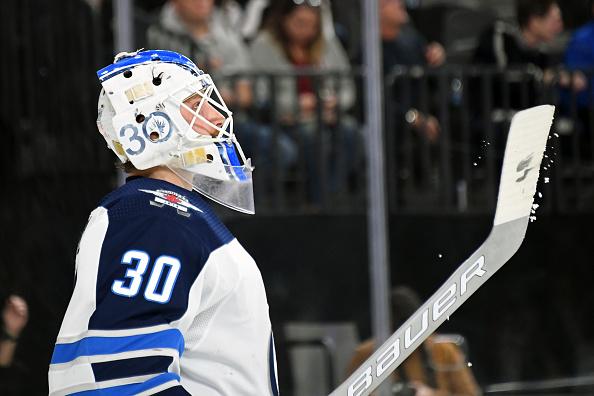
157,108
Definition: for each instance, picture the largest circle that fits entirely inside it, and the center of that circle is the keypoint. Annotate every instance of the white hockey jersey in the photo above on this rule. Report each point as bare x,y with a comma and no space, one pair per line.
166,302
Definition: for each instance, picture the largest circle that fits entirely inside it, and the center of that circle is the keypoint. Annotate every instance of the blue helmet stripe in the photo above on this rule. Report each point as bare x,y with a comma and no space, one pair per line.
143,57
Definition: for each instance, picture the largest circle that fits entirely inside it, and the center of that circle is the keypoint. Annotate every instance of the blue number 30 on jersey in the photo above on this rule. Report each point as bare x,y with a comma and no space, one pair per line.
158,288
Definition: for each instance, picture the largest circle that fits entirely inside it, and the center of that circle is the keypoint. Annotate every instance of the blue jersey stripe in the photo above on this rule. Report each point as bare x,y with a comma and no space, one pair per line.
132,389
90,346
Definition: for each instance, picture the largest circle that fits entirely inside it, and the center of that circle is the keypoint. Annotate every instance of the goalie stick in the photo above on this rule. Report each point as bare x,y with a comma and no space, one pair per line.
524,150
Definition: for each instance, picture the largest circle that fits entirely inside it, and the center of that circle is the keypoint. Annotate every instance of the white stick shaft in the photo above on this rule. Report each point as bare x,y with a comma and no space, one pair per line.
524,151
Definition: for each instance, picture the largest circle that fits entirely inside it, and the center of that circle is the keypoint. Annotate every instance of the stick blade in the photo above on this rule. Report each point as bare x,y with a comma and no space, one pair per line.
524,150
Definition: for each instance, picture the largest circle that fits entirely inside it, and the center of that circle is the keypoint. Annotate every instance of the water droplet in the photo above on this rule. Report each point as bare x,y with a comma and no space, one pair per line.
440,255
546,180
469,364
556,134
474,163
539,194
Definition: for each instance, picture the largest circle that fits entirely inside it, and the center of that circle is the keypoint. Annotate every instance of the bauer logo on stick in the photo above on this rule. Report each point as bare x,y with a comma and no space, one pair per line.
415,329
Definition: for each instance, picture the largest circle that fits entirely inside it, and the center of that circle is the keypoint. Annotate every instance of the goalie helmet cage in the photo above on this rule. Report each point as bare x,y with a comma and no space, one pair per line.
524,151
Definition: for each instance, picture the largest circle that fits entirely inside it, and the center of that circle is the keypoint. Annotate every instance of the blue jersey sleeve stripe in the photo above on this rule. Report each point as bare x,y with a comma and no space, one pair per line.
91,346
132,389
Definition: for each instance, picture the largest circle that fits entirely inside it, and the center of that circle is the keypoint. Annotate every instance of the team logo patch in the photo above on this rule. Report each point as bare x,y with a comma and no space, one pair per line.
158,122
523,166
173,199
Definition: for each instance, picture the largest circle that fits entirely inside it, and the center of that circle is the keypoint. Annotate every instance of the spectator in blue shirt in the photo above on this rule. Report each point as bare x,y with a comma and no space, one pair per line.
579,55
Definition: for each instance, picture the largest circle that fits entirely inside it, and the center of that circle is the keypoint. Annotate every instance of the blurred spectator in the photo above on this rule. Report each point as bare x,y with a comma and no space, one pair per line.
580,55
579,60
539,22
257,13
436,368
195,27
517,51
293,42
348,25
14,319
521,48
190,26
402,44
229,13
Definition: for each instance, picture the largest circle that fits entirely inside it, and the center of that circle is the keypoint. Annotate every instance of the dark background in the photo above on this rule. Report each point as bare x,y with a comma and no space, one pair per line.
533,320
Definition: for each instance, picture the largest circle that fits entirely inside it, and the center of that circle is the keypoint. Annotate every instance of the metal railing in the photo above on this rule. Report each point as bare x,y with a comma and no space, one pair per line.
308,166
458,172
474,107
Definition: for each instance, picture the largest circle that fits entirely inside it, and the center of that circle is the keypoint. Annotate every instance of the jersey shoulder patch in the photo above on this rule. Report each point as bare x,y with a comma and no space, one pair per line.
173,199
146,197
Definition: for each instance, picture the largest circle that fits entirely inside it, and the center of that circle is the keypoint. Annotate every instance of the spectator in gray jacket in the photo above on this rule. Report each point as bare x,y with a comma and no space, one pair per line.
191,27
197,28
293,41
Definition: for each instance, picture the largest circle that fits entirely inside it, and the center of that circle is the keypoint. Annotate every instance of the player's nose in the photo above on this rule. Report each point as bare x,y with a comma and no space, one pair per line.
214,117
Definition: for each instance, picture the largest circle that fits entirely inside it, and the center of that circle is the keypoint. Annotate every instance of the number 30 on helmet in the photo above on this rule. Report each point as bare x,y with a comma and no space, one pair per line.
157,108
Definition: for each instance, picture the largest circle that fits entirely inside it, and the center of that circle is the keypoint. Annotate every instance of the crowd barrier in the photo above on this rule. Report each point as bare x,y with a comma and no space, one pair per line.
457,172
305,163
